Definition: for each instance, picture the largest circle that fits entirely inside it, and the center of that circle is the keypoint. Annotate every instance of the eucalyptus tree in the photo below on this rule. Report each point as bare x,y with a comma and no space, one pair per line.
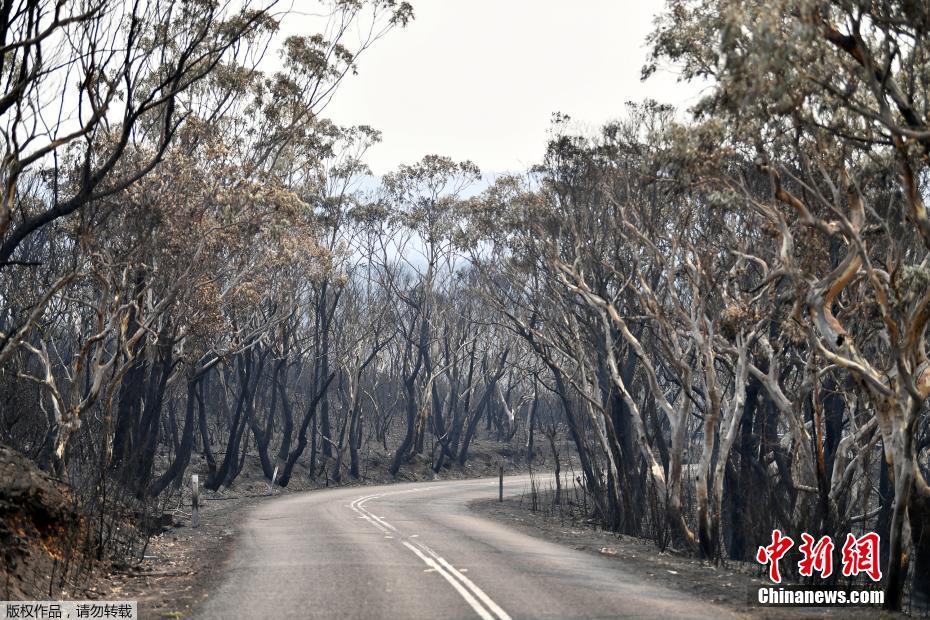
154,211
827,98
514,229
91,101
425,199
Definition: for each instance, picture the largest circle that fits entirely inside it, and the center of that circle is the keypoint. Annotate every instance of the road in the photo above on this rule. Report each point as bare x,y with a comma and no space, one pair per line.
409,551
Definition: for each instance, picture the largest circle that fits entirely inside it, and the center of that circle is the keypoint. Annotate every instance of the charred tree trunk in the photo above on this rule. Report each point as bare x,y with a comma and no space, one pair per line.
263,435
287,426
411,409
483,405
919,515
531,424
151,417
740,494
248,378
204,431
309,416
175,473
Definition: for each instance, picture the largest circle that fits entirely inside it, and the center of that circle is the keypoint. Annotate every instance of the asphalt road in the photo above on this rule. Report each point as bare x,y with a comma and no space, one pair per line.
409,551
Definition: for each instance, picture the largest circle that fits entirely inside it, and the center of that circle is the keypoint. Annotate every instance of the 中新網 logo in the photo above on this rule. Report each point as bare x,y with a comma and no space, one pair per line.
859,555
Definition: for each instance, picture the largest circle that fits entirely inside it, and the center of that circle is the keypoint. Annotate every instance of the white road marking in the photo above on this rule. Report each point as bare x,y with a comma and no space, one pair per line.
360,505
487,609
465,594
363,514
468,582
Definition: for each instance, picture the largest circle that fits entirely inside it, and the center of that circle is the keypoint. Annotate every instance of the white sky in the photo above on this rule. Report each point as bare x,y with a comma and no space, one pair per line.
480,79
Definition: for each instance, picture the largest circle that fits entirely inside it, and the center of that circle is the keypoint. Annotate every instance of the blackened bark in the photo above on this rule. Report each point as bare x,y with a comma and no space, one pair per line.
204,431
287,427
263,435
149,433
919,515
175,472
238,424
740,497
482,406
411,410
309,416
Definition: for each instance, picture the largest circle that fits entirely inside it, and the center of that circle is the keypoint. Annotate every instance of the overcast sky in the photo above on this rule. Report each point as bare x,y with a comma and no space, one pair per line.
480,79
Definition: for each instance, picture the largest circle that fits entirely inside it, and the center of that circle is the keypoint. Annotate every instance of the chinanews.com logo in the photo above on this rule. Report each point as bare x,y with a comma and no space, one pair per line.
859,555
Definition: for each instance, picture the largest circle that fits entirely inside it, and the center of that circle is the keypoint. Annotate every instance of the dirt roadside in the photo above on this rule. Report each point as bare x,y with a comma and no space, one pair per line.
182,564
731,585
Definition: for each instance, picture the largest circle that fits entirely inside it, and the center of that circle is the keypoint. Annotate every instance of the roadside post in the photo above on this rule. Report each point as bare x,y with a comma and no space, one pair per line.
195,501
274,476
500,490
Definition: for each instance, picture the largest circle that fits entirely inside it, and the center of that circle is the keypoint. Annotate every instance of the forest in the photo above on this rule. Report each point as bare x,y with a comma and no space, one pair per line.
722,309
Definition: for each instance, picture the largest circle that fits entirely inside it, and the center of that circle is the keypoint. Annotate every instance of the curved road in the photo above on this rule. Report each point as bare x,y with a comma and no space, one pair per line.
409,551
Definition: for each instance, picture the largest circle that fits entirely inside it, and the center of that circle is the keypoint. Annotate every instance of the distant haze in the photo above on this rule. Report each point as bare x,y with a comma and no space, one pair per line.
480,79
